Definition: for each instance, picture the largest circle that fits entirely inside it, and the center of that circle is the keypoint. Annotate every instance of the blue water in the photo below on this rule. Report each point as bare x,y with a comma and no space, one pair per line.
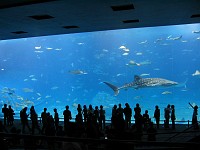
41,71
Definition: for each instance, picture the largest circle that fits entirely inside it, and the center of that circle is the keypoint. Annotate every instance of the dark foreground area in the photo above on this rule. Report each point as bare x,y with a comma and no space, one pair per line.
183,137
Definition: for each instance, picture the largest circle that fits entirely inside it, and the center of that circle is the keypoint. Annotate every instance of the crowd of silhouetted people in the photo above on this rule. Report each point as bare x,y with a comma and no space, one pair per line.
91,122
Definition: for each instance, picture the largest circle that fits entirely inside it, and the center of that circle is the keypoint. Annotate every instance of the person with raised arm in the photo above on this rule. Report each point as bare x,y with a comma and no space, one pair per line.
194,116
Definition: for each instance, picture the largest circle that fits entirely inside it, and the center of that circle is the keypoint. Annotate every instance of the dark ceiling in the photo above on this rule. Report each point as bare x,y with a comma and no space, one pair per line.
30,18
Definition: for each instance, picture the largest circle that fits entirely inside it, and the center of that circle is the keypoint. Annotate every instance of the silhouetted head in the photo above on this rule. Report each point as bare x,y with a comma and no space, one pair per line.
45,109
5,105
156,106
55,110
101,106
67,107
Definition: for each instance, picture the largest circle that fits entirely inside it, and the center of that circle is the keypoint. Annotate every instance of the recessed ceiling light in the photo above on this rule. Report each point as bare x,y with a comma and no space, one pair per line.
131,21
41,17
195,16
19,32
70,27
122,7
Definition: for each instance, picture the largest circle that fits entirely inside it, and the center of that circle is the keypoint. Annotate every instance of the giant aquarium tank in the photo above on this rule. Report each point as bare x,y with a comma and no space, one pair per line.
150,66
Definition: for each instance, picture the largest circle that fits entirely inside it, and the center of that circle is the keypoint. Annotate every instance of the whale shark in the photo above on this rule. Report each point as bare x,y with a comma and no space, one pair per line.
140,82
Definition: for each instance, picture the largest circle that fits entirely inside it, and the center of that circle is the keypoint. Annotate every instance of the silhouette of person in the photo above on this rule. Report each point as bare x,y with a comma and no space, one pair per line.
90,113
167,112
50,128
24,119
10,115
79,118
138,117
67,117
173,116
85,113
5,113
56,119
114,116
157,116
128,115
96,115
194,116
120,118
146,119
102,118
44,119
34,120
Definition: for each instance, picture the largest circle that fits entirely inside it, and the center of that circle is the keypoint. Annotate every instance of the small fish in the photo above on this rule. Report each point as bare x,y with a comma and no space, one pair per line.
78,72
197,31
34,79
145,74
31,76
48,96
25,80
166,92
80,43
49,48
176,38
126,50
197,73
122,47
143,42
38,94
125,54
39,98
38,47
27,90
132,63
119,74
54,88
139,54
58,49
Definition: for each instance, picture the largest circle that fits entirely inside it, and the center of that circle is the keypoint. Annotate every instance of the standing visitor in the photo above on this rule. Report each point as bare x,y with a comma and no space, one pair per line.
67,117
157,116
24,119
34,120
44,119
167,112
194,117
102,118
173,116
10,115
5,114
56,119
128,115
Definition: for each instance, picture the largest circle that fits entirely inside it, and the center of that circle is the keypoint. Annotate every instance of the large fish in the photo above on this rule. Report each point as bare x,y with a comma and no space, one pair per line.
142,83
